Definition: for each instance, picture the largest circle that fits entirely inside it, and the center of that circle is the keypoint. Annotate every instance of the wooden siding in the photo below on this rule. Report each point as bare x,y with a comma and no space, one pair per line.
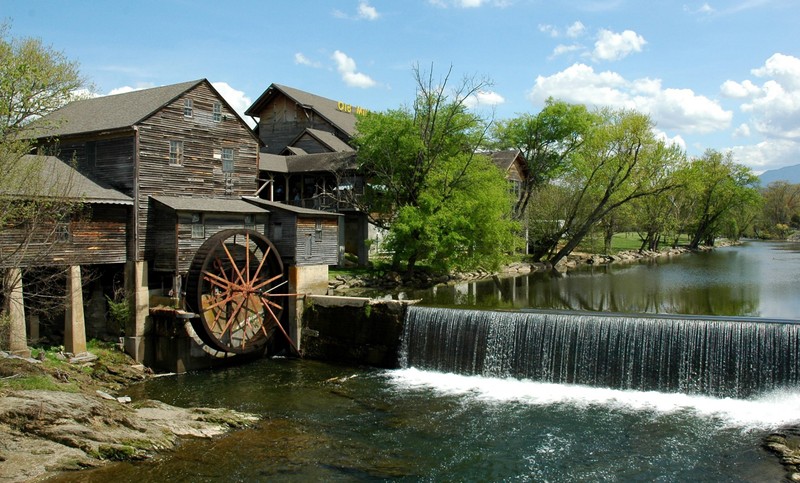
162,238
201,174
212,223
307,143
97,237
317,241
287,242
282,120
112,162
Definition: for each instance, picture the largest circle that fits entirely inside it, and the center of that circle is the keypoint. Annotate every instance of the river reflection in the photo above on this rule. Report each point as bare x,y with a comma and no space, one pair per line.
756,279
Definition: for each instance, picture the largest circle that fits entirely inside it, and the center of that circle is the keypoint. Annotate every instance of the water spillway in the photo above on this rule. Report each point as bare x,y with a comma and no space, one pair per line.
721,357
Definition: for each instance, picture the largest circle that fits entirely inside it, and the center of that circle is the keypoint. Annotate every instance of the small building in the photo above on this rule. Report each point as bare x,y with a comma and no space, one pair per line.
307,160
302,236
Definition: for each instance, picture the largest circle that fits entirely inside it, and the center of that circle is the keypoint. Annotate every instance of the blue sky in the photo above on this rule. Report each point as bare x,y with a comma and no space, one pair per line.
711,74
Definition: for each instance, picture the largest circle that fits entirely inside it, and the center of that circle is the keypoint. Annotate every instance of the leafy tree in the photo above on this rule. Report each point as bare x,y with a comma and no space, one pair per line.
546,141
781,204
620,160
34,81
441,201
720,191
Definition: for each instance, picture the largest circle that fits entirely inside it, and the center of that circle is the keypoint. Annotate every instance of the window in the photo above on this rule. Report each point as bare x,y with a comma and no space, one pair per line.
277,231
249,222
217,112
227,160
198,229
187,108
318,230
176,153
63,232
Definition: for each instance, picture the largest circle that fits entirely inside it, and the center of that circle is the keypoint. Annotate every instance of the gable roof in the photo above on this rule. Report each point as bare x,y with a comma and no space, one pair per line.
49,177
108,113
325,138
326,108
308,163
505,159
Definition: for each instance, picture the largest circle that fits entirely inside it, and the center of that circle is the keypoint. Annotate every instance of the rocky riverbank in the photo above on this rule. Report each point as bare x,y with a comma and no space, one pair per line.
60,413
355,284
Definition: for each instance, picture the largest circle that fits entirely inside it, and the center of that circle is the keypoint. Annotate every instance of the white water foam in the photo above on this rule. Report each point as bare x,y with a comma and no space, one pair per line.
767,411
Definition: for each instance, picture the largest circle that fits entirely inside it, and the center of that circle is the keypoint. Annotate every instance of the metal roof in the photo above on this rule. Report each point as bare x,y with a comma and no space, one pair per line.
208,205
49,177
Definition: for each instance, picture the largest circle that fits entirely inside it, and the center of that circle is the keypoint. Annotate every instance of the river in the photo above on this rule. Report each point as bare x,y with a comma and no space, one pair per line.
324,422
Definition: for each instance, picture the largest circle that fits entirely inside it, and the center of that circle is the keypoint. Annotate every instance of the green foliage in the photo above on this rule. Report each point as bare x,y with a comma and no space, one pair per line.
722,195
546,141
119,312
444,205
619,161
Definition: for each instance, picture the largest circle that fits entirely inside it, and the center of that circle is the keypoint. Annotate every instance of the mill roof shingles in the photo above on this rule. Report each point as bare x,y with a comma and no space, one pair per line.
49,177
108,113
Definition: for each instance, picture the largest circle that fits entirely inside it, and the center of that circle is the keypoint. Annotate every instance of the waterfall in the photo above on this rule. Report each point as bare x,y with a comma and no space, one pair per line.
733,357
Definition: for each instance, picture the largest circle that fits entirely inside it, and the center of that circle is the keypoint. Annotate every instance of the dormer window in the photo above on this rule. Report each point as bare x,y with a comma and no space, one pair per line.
188,108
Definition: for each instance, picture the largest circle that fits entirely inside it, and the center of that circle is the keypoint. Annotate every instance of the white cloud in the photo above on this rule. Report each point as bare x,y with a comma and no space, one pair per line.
671,109
549,30
347,68
469,3
301,59
616,46
743,131
738,90
565,49
367,11
774,106
766,155
236,98
573,31
576,30
484,98
705,9
676,140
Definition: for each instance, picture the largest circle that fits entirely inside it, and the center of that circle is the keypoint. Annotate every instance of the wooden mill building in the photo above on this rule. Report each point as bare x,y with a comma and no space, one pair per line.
180,165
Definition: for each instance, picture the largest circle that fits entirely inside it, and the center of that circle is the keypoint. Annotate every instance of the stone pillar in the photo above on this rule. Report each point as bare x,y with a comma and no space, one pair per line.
74,321
137,291
17,338
304,280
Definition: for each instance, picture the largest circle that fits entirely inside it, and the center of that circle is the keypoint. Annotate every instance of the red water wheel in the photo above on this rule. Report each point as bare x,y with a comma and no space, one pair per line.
237,286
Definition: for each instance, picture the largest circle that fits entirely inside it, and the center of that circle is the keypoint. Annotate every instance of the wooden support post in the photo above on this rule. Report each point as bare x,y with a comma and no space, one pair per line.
74,323
17,338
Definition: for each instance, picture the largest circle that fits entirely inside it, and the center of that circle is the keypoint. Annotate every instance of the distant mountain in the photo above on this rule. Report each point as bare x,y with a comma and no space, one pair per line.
788,173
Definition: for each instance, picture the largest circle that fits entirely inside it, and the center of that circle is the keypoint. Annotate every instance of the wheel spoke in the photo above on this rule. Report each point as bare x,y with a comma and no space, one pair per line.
233,263
267,282
264,257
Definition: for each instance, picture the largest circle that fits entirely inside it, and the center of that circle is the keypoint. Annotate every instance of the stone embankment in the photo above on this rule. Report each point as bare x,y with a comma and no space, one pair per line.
348,284
83,418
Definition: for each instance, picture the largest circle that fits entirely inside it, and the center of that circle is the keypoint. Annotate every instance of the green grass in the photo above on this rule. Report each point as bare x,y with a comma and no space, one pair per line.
37,382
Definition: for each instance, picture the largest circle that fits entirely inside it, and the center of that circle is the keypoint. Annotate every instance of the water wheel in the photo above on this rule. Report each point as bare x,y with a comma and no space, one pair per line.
237,286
